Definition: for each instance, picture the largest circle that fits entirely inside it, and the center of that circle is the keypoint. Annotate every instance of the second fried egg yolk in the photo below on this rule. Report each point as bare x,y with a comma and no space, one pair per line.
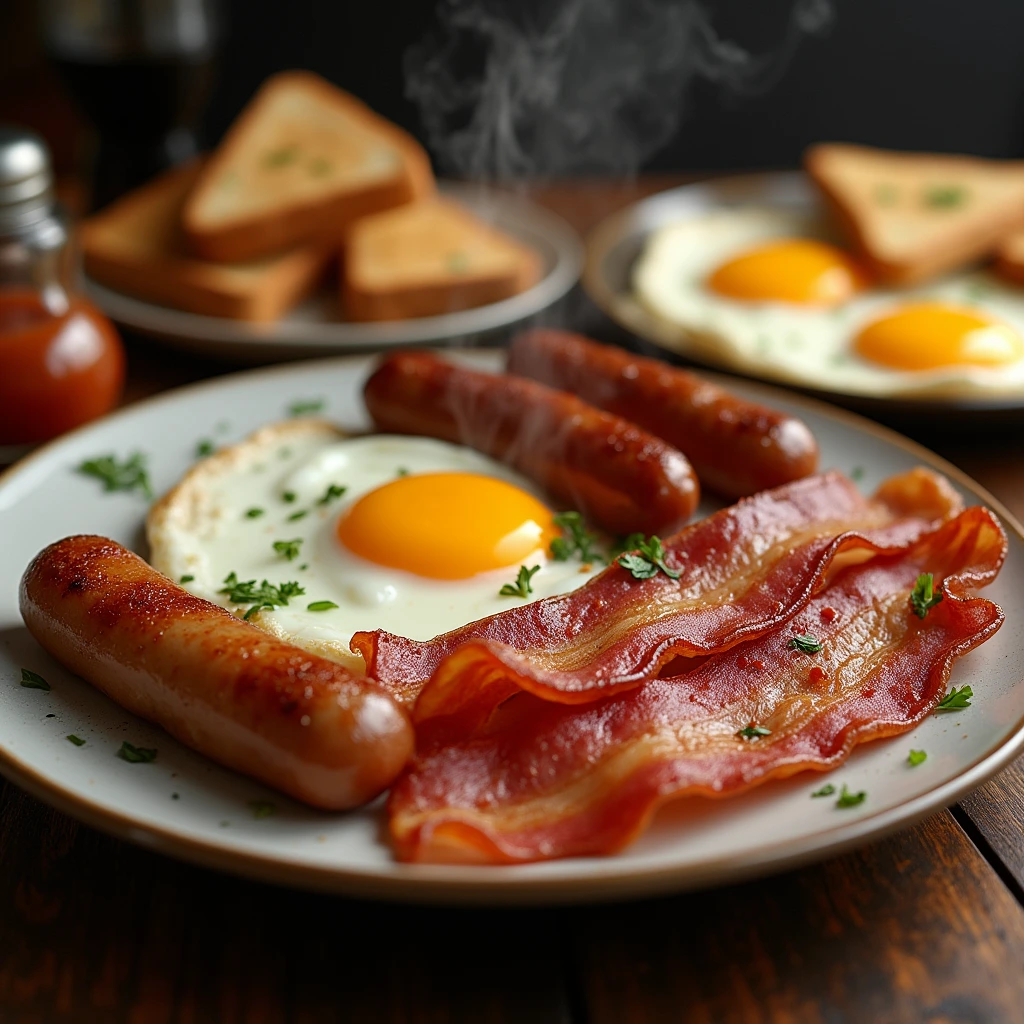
447,526
931,335
800,271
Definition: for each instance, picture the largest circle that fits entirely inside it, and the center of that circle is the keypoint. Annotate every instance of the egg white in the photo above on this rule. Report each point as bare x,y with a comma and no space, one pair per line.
201,530
803,345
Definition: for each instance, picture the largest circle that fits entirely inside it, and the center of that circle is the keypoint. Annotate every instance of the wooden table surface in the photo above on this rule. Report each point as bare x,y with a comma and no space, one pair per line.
927,925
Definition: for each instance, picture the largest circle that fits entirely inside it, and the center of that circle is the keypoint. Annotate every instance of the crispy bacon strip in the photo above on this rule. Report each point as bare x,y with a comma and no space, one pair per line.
545,780
744,570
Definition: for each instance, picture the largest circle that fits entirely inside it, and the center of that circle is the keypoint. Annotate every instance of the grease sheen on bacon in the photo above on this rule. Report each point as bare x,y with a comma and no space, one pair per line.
546,781
743,570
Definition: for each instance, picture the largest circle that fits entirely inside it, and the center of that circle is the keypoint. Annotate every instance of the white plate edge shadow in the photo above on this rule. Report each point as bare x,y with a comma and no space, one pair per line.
599,878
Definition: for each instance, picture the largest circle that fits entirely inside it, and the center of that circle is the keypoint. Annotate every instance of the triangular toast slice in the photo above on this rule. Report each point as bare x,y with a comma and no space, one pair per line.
136,246
301,162
430,258
912,216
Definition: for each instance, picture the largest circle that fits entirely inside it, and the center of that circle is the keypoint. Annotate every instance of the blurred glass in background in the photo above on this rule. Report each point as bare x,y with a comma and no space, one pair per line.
140,71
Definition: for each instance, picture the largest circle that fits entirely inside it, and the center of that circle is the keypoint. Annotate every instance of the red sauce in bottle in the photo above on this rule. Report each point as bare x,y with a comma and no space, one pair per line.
56,371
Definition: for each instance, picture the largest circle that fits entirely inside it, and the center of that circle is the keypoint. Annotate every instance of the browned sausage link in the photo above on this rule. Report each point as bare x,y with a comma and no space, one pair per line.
300,723
736,447
617,475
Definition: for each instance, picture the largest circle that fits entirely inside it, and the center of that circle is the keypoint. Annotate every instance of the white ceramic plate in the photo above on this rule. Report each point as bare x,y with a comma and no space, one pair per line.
614,246
694,842
315,326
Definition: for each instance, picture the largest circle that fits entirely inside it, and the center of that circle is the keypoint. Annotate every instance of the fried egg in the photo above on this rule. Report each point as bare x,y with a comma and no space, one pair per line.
408,534
769,292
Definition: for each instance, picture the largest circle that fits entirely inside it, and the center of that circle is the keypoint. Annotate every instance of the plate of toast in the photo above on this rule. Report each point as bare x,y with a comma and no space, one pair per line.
874,277
316,226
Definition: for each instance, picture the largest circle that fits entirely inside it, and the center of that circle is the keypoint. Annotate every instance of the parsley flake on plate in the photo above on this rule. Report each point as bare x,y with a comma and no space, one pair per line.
262,808
521,587
848,799
647,560
916,757
924,595
333,491
804,642
576,539
264,596
288,549
827,790
33,680
205,447
136,755
301,514
753,732
77,740
187,578
306,407
254,512
320,606
956,699
129,475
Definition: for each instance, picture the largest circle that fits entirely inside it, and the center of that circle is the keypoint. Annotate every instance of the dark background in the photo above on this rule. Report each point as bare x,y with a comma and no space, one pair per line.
944,75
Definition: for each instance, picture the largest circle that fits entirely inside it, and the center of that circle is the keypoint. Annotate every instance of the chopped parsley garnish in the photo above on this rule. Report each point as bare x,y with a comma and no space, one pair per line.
281,157
804,642
304,566
263,596
254,513
288,497
848,799
33,680
857,474
302,513
77,740
827,790
885,194
956,699
136,755
262,808
333,491
753,732
306,407
647,560
288,549
119,476
187,578
916,757
401,471
175,796
576,539
521,587
320,606
944,197
204,448
924,595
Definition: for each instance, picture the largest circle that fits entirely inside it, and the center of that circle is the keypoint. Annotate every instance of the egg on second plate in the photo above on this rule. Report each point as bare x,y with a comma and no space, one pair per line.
408,534
767,290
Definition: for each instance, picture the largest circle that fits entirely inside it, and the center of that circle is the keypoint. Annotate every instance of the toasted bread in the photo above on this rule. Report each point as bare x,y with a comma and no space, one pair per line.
136,246
301,162
430,258
912,216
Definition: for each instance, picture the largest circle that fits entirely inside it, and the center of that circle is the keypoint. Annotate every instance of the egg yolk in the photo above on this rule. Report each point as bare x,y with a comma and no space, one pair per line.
932,335
447,526
796,270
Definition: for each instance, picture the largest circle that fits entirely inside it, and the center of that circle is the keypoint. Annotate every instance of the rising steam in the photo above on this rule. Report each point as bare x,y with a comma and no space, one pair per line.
586,87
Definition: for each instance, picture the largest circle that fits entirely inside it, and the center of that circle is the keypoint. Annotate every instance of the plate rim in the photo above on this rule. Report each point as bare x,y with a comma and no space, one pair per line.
228,334
753,186
494,885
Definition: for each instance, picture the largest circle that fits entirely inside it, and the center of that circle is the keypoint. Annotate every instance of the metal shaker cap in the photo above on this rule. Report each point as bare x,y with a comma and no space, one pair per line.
26,178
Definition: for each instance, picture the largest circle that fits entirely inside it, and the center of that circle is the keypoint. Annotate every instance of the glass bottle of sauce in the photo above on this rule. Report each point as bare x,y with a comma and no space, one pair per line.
61,361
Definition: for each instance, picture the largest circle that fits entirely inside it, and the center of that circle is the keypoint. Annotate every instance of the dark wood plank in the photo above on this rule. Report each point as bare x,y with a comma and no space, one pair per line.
915,928
996,810
94,930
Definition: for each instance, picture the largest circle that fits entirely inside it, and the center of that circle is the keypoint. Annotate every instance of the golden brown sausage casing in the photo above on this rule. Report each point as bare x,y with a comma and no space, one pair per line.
736,447
619,476
300,723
